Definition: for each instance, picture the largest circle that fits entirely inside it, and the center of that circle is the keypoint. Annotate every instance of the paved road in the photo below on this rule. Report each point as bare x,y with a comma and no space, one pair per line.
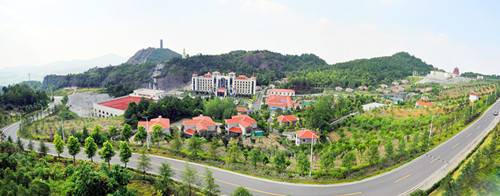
429,167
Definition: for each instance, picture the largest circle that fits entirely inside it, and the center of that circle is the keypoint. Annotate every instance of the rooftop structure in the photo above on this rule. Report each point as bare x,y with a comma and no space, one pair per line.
198,124
371,106
114,107
149,93
287,119
223,85
241,124
281,92
305,136
279,102
164,123
423,104
473,96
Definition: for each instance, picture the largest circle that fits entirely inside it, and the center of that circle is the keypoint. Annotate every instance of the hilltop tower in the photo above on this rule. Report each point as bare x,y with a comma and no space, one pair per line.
161,43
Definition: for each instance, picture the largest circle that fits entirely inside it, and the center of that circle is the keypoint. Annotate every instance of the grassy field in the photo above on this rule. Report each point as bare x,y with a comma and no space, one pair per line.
69,91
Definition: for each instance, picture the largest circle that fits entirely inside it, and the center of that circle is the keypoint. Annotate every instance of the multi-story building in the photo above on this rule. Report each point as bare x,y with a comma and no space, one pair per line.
223,85
281,92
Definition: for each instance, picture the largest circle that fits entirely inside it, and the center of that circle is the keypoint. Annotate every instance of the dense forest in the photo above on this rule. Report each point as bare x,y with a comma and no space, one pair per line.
21,97
360,72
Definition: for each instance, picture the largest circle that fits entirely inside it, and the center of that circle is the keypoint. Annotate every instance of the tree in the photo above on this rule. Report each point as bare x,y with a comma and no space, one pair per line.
43,148
20,144
212,148
194,146
327,159
107,152
164,182
30,145
59,144
402,148
126,132
90,148
373,154
113,132
241,191
125,153
157,134
389,150
189,179
96,134
348,160
303,163
73,147
280,161
141,135
220,108
144,163
233,152
176,145
254,157
210,187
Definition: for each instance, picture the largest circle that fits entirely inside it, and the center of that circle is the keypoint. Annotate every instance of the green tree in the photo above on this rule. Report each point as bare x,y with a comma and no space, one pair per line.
20,144
220,108
113,133
125,153
280,161
389,150
176,145
90,148
349,159
144,163
373,154
212,148
327,159
194,146
189,179
30,145
210,188
126,132
233,152
73,147
59,144
97,135
164,182
303,163
254,156
157,134
43,148
241,191
141,135
107,152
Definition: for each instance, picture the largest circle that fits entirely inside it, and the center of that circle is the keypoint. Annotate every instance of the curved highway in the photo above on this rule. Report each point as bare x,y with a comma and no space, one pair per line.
421,172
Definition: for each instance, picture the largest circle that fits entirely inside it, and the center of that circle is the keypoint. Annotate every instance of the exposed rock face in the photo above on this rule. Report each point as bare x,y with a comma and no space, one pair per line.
153,55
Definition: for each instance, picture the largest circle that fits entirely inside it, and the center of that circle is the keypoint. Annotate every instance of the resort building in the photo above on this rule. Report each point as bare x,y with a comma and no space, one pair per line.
275,102
114,107
149,93
164,123
305,136
202,125
287,120
473,97
240,124
281,92
224,85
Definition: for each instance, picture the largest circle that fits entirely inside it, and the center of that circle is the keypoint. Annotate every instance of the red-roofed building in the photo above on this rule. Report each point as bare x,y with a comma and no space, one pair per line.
281,92
242,121
202,125
287,120
113,107
305,136
420,104
164,123
279,102
473,96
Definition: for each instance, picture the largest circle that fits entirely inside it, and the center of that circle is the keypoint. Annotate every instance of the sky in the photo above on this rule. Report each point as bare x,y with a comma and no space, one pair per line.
445,33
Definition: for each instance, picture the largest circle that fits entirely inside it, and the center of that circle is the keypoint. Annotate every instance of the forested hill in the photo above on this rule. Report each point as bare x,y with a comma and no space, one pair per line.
122,79
153,55
359,72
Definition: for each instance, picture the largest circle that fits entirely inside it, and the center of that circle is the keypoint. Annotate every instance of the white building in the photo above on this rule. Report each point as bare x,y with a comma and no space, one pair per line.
371,106
281,92
149,93
113,107
473,97
223,85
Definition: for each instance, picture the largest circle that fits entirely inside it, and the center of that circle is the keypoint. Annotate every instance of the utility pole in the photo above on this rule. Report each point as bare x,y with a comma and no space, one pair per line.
430,128
147,133
311,165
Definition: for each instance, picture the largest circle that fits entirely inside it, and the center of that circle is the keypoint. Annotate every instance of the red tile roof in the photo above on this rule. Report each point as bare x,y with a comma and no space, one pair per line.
201,122
242,77
474,94
279,101
241,109
120,103
306,134
162,122
235,129
423,103
190,132
287,118
241,119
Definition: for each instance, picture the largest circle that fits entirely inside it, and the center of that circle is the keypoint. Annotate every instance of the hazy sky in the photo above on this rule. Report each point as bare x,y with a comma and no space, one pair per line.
444,33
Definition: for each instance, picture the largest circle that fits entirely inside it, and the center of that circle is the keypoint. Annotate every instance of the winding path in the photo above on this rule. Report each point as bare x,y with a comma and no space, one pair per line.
421,172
